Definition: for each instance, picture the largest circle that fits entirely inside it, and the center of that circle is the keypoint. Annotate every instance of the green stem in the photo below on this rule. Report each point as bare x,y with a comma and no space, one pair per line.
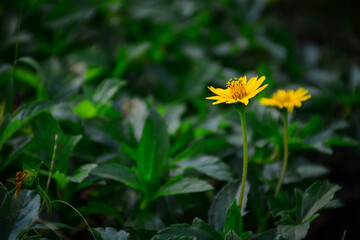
286,152
245,159
46,200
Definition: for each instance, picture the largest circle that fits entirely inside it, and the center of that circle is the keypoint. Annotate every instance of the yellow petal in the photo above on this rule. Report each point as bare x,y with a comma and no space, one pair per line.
219,91
305,98
267,101
250,84
253,94
215,97
257,84
219,101
244,101
244,79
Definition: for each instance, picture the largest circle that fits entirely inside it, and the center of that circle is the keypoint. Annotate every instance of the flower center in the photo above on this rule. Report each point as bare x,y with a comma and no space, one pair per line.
237,88
282,97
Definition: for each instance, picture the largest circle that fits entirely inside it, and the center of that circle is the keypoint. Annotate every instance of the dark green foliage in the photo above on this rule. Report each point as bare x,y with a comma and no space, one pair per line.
118,89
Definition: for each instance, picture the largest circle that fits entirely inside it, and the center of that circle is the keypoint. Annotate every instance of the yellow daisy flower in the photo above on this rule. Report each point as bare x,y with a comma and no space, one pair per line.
238,90
287,99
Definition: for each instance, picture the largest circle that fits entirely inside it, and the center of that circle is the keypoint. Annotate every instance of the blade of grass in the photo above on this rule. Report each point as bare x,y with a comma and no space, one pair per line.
68,204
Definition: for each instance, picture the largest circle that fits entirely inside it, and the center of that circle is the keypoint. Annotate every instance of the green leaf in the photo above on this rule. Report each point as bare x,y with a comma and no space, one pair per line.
117,172
85,109
107,90
66,12
152,153
231,235
294,232
12,123
186,185
112,234
267,235
108,131
222,201
209,165
95,207
233,219
311,127
341,141
61,179
45,128
316,197
199,230
82,172
145,220
17,215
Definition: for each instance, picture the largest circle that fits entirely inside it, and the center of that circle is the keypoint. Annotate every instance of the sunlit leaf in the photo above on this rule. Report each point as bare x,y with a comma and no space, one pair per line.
85,109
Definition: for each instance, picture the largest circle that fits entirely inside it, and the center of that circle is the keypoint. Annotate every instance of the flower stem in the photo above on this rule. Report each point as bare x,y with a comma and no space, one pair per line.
286,152
245,159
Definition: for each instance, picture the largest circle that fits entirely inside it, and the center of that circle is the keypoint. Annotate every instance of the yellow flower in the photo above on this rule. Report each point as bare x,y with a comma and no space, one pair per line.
238,90
287,99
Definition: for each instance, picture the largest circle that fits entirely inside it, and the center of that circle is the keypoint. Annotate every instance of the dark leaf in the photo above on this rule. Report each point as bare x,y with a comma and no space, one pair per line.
186,185
45,128
294,232
316,197
222,202
209,165
112,234
12,123
117,172
19,214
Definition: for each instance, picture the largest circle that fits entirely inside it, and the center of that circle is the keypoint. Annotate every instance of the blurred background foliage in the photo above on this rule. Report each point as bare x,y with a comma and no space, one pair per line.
90,71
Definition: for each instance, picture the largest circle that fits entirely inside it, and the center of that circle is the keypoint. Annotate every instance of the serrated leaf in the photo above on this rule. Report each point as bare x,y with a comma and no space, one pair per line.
231,235
110,233
82,172
233,221
209,165
316,197
223,200
117,172
186,185
294,232
267,235
199,230
19,214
